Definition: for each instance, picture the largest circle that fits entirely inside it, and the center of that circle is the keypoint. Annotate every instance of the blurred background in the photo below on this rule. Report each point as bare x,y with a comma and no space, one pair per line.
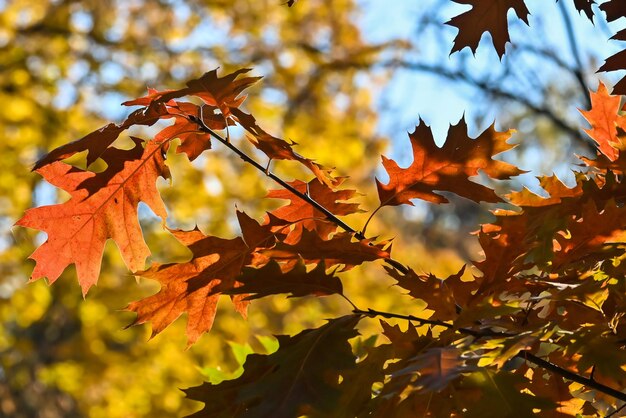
346,79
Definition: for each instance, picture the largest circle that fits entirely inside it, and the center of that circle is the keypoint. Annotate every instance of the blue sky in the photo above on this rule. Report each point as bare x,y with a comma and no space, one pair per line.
438,101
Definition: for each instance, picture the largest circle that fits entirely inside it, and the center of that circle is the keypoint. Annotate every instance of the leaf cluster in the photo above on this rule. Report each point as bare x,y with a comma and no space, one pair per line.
534,328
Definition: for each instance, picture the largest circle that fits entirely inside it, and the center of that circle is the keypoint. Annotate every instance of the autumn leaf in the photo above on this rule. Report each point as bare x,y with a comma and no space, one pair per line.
614,9
340,249
503,244
441,296
195,286
502,395
605,119
301,378
78,229
617,62
447,168
434,368
297,282
96,142
486,16
223,93
557,191
587,234
279,149
304,215
192,141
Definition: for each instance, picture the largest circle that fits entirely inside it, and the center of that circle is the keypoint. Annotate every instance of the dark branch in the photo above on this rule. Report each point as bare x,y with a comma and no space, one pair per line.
526,355
331,217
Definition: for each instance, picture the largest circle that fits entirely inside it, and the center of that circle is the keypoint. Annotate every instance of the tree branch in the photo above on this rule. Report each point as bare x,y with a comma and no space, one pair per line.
524,354
571,37
331,217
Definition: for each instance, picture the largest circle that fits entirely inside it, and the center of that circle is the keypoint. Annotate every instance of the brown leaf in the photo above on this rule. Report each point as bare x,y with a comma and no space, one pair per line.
99,140
447,168
194,286
279,149
441,296
617,62
340,249
486,16
614,9
271,280
435,368
555,188
587,234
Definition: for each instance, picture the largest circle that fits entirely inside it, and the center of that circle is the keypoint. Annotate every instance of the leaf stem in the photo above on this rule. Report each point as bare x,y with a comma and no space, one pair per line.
369,219
331,217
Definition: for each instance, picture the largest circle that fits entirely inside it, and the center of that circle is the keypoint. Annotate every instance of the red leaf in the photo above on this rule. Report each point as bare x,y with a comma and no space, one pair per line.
194,287
486,16
447,168
78,229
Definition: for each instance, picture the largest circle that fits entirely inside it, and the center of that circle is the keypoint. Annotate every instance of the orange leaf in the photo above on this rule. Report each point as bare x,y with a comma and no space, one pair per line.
78,229
604,120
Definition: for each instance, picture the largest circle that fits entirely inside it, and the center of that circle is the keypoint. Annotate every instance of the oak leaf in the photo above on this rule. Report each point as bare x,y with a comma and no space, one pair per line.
279,149
605,120
301,378
486,16
614,9
617,61
340,249
271,280
441,296
588,233
78,229
435,368
304,215
447,168
195,286
96,142
555,188
223,93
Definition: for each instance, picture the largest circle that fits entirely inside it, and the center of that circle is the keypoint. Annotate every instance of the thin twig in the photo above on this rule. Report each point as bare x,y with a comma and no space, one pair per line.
329,215
616,411
436,322
571,37
525,355
531,358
